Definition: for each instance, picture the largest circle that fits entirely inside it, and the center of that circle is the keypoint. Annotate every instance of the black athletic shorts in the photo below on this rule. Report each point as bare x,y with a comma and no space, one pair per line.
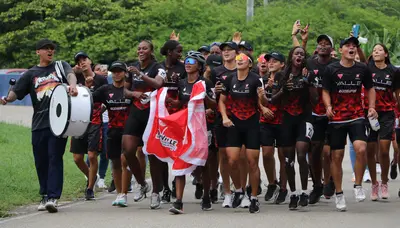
295,129
245,132
270,134
136,123
338,133
91,141
320,125
387,122
114,143
221,132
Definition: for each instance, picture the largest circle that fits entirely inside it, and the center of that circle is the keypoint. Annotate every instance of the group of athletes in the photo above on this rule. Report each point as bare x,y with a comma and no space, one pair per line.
303,104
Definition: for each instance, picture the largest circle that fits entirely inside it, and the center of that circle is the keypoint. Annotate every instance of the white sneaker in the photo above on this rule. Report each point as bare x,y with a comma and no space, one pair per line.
42,204
96,182
245,202
359,193
101,184
155,201
340,203
378,168
227,201
51,205
367,176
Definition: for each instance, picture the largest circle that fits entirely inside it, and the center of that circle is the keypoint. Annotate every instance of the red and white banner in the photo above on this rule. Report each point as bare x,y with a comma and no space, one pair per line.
180,138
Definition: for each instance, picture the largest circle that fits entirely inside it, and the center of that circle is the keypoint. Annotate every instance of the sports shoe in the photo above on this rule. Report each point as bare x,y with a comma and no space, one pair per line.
384,191
294,199
221,190
316,194
96,182
237,199
329,189
51,205
101,184
254,206
367,176
177,208
340,202
378,168
198,193
393,171
303,202
375,191
281,196
155,201
89,194
42,204
123,200
214,196
359,193
115,202
206,204
111,188
227,201
272,192
141,194
166,198
245,202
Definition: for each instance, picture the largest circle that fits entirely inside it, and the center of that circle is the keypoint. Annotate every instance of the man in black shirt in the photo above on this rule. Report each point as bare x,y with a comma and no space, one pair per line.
48,149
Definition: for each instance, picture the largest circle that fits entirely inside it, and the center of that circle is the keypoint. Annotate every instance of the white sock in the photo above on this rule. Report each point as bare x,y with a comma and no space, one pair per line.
239,190
253,197
293,193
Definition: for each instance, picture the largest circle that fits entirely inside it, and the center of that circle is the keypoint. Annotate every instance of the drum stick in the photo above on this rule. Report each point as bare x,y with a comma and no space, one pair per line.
12,83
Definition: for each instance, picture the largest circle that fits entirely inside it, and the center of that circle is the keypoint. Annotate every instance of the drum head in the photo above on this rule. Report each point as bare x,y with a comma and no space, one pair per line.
59,112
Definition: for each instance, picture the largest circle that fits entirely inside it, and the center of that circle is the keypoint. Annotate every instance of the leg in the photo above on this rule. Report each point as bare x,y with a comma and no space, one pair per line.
269,163
142,160
103,166
225,169
336,168
80,163
282,171
180,186
233,156
327,163
254,170
117,174
155,172
244,167
40,153
302,149
352,156
384,159
372,148
94,164
126,176
129,145
289,153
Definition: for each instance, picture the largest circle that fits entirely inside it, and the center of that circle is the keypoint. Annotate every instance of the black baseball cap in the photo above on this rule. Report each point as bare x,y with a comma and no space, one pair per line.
204,48
118,65
246,45
80,54
275,55
214,60
350,39
230,44
325,37
45,42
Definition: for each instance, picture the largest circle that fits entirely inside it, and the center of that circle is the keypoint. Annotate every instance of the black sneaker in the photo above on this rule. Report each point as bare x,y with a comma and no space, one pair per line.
294,199
206,204
89,194
393,171
316,194
173,191
166,197
111,188
329,189
237,199
281,196
254,206
271,191
177,208
199,191
214,196
303,200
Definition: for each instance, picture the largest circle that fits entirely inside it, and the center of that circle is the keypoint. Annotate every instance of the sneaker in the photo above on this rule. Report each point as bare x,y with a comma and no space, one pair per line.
359,193
393,171
51,205
294,199
375,191
42,204
237,199
101,184
206,204
340,202
111,188
329,189
214,196
316,194
115,202
254,206
177,208
303,202
367,176
166,198
378,168
281,196
245,202
141,194
123,200
96,182
198,193
155,201
173,191
227,201
272,192
89,194
384,191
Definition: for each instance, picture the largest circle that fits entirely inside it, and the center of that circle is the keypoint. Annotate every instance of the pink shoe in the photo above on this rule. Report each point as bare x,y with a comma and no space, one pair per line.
375,191
384,191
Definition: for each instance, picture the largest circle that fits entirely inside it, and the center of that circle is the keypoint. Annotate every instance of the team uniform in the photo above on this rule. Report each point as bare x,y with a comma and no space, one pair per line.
179,70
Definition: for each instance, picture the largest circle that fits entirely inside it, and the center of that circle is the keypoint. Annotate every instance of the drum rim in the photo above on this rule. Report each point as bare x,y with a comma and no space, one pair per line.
91,109
68,115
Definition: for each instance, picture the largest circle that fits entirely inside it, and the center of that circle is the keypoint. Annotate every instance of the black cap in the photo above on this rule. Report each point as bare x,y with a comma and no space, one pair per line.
246,45
44,42
80,54
215,43
230,44
275,55
204,48
214,60
118,65
325,37
350,39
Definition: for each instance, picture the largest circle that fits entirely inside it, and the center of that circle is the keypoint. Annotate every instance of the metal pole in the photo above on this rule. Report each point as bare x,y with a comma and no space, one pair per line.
250,10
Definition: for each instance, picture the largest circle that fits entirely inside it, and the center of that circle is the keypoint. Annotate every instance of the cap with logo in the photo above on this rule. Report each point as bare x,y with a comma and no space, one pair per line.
214,61
118,65
45,42
350,39
79,55
275,55
246,45
230,44
325,37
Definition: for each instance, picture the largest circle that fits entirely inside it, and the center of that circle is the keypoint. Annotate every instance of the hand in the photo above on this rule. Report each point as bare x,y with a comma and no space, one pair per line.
218,87
267,113
138,95
304,33
305,72
329,112
89,82
237,37
209,112
73,91
173,36
134,70
270,82
372,113
296,27
289,86
174,77
260,92
3,100
227,123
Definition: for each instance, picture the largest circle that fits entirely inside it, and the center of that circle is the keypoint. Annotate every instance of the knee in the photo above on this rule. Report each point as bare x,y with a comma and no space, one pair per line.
232,162
92,157
78,158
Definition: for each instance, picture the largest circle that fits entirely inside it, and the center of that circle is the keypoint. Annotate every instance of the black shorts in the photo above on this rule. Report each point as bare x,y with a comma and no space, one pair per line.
295,129
398,136
245,132
136,123
338,133
320,125
220,132
270,134
387,124
91,141
114,143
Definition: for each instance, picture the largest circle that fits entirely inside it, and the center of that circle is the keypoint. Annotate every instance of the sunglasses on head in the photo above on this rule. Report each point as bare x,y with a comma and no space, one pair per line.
243,57
261,59
190,61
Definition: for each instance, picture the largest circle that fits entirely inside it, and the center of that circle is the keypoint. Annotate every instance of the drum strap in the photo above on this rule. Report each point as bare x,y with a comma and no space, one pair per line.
60,71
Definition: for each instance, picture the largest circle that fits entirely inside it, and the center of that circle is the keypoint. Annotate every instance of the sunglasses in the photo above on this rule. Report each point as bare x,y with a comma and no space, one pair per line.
261,59
190,61
243,57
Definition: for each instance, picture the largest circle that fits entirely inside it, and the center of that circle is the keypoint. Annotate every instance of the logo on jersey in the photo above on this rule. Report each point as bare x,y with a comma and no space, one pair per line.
373,75
247,86
340,76
387,76
315,72
110,95
358,76
224,77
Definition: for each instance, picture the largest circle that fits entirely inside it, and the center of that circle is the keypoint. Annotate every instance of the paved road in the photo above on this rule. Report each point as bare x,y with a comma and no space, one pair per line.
21,115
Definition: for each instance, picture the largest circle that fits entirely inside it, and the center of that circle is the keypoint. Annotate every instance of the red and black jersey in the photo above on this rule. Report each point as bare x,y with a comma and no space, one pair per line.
179,70
221,74
273,107
152,70
98,81
344,85
243,95
386,81
316,71
117,105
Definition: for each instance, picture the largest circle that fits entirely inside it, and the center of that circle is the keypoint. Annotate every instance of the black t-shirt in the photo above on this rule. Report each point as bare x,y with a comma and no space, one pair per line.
221,74
178,69
243,95
116,103
39,82
344,85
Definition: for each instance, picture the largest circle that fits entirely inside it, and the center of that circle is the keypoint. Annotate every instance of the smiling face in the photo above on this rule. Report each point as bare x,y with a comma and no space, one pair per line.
275,65
379,54
144,51
46,53
243,62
